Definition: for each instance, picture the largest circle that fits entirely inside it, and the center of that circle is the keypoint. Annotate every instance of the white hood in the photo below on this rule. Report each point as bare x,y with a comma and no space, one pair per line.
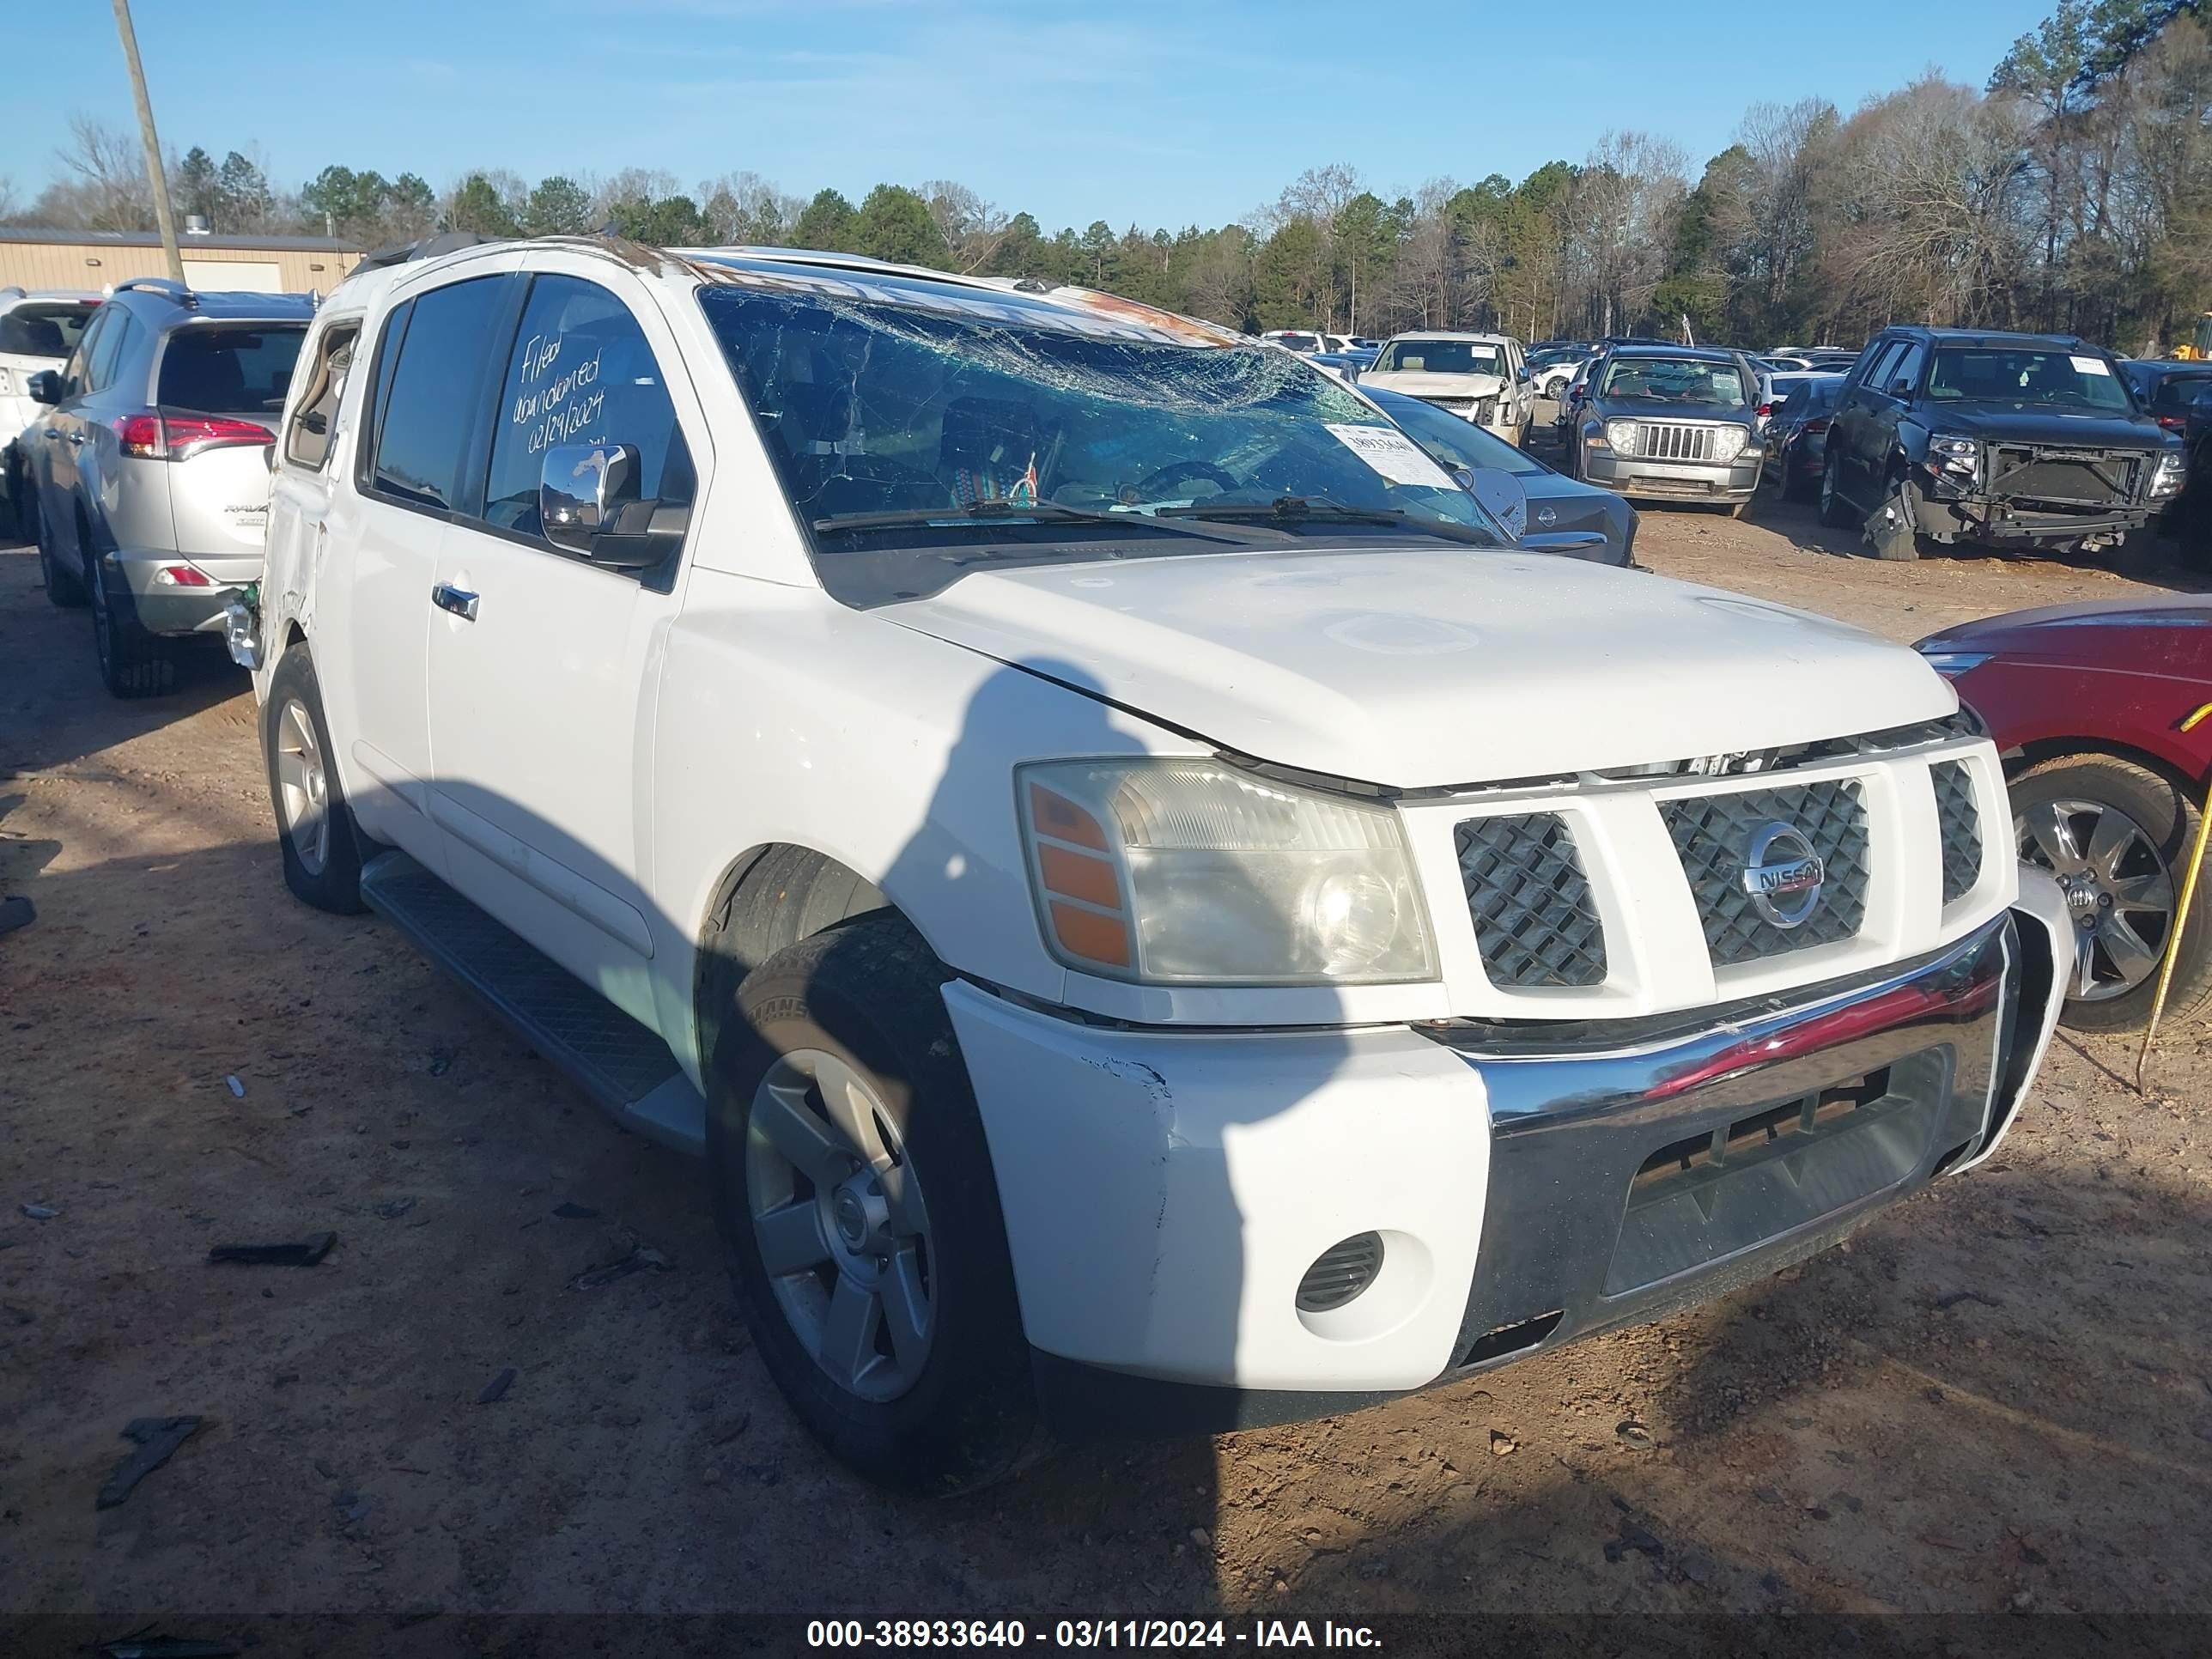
1420,383
1413,669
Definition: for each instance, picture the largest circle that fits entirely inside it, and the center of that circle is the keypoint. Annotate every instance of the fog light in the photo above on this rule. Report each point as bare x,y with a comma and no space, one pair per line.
1340,1272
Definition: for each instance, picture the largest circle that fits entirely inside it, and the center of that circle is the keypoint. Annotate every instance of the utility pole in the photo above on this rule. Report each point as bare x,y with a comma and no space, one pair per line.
156,175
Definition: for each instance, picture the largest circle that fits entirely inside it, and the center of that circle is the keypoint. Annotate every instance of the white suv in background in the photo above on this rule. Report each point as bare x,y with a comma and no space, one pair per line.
38,331
1483,378
1154,912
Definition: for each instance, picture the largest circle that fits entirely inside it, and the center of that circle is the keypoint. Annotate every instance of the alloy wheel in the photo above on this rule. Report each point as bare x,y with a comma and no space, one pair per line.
303,787
2119,891
838,1218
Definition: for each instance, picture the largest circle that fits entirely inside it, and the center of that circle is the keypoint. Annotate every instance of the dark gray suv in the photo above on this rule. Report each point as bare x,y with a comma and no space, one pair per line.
148,463
1670,423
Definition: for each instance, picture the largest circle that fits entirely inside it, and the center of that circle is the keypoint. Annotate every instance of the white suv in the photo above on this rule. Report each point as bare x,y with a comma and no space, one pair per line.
1152,912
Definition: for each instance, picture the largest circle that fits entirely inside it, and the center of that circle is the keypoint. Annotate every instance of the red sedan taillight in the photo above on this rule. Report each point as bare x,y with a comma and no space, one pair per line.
156,437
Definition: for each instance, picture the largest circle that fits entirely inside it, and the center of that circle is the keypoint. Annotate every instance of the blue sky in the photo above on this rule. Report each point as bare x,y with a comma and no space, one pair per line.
1162,112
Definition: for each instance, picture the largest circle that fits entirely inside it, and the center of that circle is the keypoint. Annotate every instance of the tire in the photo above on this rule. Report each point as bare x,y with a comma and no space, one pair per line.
949,1406
1890,529
2058,807
315,834
1835,511
64,586
133,663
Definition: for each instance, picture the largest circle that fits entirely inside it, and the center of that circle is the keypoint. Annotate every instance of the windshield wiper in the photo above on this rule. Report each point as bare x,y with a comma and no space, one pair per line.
1288,510
994,510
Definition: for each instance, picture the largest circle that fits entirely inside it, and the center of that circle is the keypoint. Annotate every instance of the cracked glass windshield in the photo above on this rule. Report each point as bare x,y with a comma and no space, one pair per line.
954,425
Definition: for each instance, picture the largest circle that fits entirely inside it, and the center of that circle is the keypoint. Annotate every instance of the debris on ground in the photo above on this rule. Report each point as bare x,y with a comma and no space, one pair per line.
575,1213
157,1439
392,1209
237,1088
1634,1436
302,1253
1501,1444
637,1261
495,1390
1632,1537
145,1646
40,1212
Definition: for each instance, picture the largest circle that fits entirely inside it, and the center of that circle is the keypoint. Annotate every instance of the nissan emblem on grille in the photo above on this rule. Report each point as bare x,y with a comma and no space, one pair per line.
1782,874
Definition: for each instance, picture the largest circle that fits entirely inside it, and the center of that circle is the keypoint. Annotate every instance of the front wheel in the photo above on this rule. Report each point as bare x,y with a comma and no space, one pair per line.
858,1204
314,830
64,585
2117,836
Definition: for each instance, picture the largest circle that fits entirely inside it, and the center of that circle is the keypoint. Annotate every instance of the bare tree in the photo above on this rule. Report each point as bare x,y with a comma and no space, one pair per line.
972,228
102,180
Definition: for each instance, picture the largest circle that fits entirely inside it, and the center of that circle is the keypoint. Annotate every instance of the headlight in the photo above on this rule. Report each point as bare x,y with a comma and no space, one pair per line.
1960,455
1622,435
1952,664
2172,471
1729,442
1192,872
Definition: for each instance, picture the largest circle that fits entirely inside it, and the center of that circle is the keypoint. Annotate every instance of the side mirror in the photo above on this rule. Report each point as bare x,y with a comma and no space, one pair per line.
581,488
1900,388
1502,497
1522,374
44,386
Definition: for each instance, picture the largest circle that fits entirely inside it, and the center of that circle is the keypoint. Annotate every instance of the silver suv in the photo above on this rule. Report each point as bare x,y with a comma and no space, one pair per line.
149,465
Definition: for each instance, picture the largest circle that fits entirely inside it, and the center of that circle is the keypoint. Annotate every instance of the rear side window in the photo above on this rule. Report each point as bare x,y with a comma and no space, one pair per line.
307,440
107,348
423,438
582,372
229,370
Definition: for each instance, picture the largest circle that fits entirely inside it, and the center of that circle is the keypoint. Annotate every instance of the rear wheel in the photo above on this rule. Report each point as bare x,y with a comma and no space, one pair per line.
133,663
857,1202
2117,836
314,830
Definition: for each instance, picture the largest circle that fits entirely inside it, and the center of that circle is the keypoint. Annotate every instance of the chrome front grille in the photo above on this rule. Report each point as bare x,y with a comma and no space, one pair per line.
1713,835
1535,920
1959,820
1664,440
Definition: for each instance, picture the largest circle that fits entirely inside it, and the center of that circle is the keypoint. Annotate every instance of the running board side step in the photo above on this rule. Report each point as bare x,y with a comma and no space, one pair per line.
624,1066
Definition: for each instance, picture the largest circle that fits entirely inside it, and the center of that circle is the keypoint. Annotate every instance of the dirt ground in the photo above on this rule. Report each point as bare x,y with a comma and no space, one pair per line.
1996,1403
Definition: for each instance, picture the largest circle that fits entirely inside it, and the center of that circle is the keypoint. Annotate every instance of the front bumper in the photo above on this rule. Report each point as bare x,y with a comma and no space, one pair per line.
1738,481
1165,1193
1977,518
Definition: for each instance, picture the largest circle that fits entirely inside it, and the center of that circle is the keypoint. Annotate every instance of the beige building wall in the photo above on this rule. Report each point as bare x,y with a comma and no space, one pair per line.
96,266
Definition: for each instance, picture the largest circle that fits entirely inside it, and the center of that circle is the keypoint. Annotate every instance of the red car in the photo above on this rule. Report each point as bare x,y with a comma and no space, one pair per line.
2104,715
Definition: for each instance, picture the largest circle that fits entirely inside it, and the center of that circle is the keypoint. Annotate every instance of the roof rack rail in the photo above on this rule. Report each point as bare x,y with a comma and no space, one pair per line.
169,285
425,248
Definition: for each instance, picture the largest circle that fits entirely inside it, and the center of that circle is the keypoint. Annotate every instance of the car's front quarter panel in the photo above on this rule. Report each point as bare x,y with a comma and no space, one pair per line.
787,718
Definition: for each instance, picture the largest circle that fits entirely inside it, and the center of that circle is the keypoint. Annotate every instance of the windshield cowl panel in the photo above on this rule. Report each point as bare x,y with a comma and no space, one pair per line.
903,426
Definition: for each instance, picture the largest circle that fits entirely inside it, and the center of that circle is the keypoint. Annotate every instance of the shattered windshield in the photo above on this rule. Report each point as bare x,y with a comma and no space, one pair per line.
956,425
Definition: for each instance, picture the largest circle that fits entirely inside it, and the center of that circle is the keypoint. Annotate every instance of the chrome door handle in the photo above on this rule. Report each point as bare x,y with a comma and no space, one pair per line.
458,600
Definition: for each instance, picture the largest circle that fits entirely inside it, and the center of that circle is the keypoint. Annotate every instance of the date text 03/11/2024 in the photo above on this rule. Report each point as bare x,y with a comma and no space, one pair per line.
1068,1634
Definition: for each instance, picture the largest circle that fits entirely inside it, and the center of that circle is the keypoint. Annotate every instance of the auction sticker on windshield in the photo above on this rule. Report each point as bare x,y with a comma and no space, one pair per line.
2089,366
1393,454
